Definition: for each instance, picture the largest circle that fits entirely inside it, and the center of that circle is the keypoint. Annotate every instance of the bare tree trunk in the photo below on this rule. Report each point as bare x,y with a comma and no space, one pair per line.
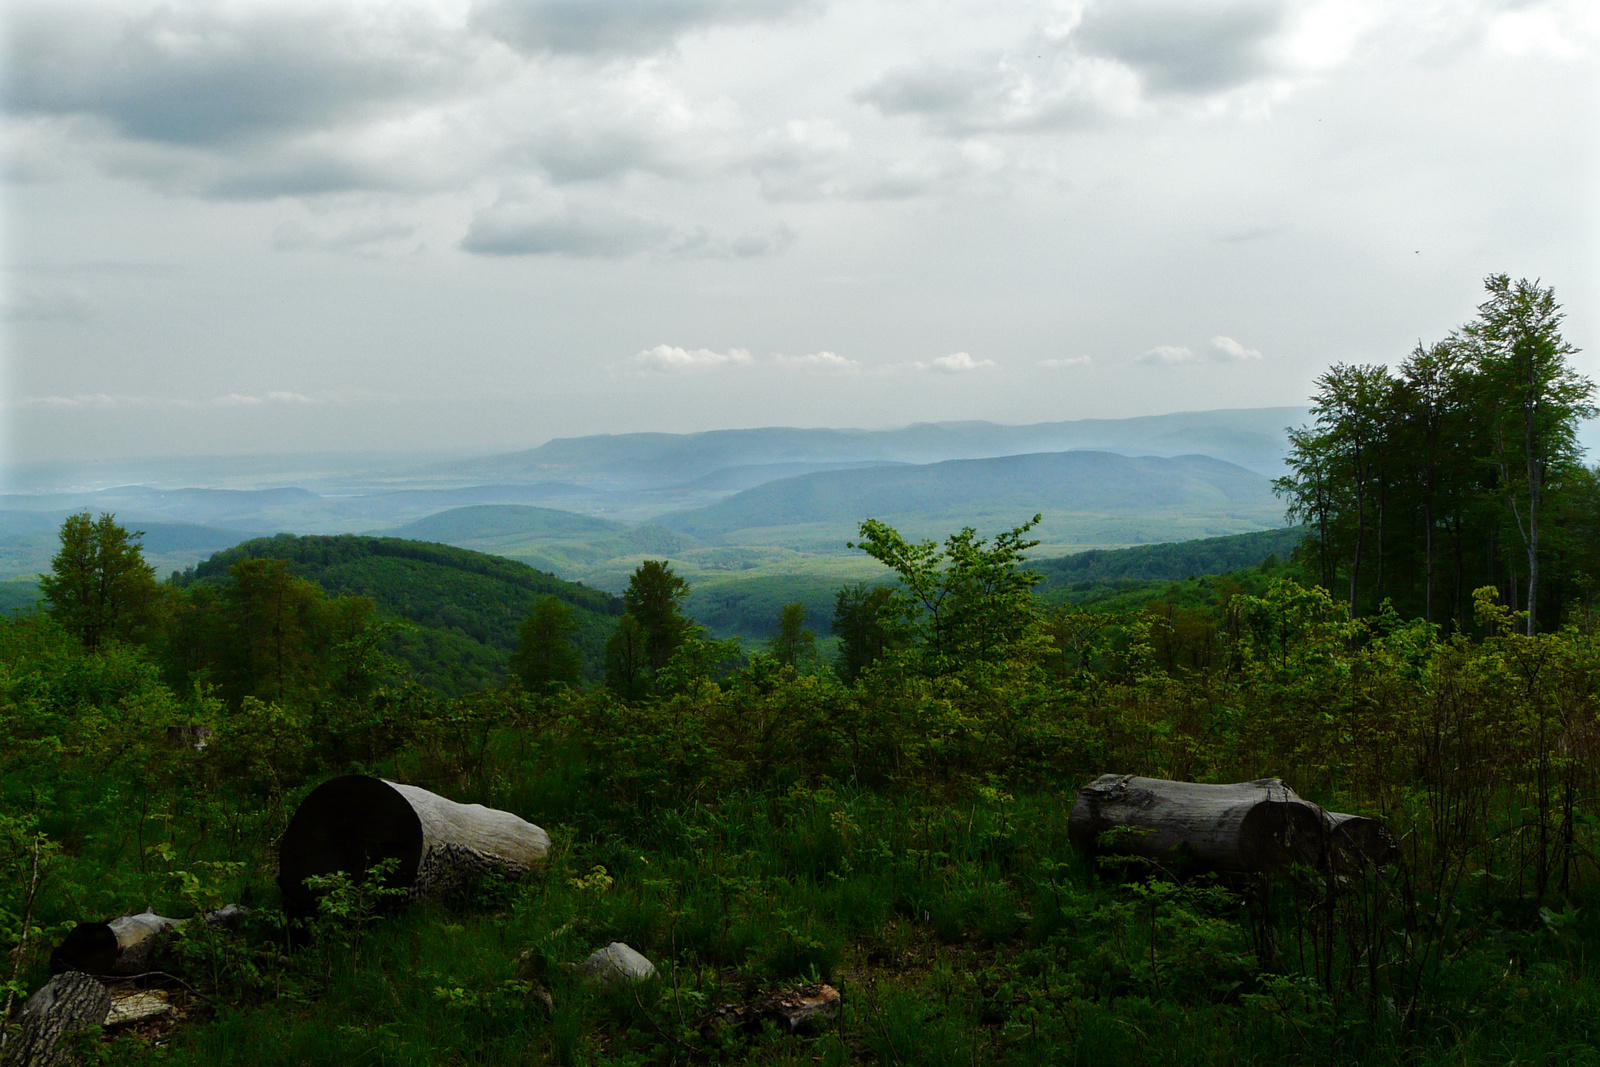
67,1003
351,823
126,944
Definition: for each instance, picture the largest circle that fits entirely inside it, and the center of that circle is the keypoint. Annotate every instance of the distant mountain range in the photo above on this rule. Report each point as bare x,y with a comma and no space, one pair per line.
1253,438
724,501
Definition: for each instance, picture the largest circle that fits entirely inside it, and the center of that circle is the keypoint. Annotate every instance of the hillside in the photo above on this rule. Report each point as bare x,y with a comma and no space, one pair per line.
562,542
1086,497
1168,562
464,606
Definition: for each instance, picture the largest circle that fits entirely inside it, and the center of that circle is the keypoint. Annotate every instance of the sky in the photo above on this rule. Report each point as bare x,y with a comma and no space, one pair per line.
272,226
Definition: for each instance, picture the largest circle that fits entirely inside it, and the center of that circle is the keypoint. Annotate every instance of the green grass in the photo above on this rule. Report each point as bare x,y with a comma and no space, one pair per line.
958,928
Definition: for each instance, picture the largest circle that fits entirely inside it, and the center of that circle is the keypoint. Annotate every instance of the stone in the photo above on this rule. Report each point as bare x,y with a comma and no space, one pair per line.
617,963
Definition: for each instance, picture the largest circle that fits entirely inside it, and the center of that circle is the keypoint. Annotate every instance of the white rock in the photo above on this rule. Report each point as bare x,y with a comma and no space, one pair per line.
617,963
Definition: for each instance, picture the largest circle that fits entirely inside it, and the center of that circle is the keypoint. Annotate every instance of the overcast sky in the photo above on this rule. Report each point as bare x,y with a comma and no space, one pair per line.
277,226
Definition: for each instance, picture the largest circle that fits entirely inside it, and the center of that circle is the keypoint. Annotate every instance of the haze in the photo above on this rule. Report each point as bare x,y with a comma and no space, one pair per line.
275,227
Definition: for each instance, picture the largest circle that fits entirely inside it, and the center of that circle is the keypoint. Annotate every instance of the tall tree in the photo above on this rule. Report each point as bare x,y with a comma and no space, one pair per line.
545,654
99,585
865,622
793,645
1536,401
654,598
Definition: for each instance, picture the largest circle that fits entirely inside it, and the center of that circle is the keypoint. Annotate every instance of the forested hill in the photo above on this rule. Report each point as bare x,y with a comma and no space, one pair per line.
1170,562
464,606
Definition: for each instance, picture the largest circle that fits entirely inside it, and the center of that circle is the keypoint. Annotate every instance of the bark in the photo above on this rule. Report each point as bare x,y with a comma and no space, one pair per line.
1243,828
351,823
126,944
68,1002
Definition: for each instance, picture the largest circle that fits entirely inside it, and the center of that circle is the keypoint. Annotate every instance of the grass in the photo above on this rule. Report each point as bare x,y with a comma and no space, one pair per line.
960,929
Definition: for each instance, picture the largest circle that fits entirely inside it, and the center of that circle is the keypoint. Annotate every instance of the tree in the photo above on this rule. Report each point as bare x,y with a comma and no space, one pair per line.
545,654
275,624
1536,401
100,586
865,621
654,597
627,668
793,645
969,601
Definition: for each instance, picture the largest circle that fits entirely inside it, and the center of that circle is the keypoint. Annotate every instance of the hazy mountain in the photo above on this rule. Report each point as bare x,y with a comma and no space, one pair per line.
559,541
1086,496
1250,437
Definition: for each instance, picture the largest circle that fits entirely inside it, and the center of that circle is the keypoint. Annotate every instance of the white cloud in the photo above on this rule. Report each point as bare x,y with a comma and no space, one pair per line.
1166,356
961,363
670,359
1228,350
828,361
1067,361
109,401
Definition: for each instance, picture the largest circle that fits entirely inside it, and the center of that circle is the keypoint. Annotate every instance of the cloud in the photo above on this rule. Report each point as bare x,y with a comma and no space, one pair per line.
363,239
514,228
1184,46
616,26
1166,356
44,305
1221,350
996,93
1067,361
827,361
200,74
108,401
960,363
670,359
1227,349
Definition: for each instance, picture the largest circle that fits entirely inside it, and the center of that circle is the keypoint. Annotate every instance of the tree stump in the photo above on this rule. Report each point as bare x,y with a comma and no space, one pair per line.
353,822
1243,828
67,1003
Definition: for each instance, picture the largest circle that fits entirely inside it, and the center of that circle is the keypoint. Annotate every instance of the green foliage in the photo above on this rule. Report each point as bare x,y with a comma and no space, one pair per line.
967,602
464,608
654,598
545,654
99,586
1463,470
793,645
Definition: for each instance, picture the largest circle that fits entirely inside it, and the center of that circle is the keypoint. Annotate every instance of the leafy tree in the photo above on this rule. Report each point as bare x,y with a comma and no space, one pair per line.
1535,401
793,645
968,601
866,622
99,585
545,654
654,598
627,662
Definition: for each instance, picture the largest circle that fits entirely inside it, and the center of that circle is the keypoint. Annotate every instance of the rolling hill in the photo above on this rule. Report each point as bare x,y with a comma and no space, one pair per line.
1086,497
464,606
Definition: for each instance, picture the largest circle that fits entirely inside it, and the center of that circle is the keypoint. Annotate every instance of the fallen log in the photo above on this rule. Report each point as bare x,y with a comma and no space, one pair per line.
126,944
67,1003
354,822
1242,828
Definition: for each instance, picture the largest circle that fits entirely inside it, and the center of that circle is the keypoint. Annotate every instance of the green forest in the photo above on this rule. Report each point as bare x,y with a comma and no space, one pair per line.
876,799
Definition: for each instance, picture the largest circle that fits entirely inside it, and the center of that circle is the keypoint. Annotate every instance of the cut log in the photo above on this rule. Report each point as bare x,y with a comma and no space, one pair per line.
791,1010
353,822
1355,841
67,1003
1243,828
126,944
